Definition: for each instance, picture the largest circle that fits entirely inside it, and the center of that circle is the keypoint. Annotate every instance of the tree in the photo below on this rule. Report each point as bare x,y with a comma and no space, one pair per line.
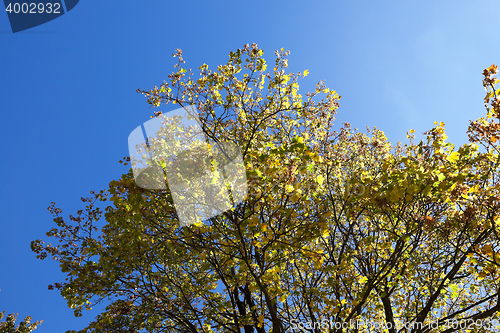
9,325
340,230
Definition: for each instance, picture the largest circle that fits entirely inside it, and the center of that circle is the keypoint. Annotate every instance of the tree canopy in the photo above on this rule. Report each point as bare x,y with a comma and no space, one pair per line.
340,231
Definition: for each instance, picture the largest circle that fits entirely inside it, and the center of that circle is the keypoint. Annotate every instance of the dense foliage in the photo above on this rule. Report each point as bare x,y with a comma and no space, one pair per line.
338,228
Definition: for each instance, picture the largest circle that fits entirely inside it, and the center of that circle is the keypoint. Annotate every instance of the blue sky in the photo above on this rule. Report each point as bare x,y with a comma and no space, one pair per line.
68,100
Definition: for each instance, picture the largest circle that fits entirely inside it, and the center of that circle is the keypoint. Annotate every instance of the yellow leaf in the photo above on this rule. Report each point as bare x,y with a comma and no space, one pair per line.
453,157
487,249
497,220
473,189
306,72
492,68
320,179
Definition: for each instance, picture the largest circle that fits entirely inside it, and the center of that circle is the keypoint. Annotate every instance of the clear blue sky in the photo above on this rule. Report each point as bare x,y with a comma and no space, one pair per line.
68,100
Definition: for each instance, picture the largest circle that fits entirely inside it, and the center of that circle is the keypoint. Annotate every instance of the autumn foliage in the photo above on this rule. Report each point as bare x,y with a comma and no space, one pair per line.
419,245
